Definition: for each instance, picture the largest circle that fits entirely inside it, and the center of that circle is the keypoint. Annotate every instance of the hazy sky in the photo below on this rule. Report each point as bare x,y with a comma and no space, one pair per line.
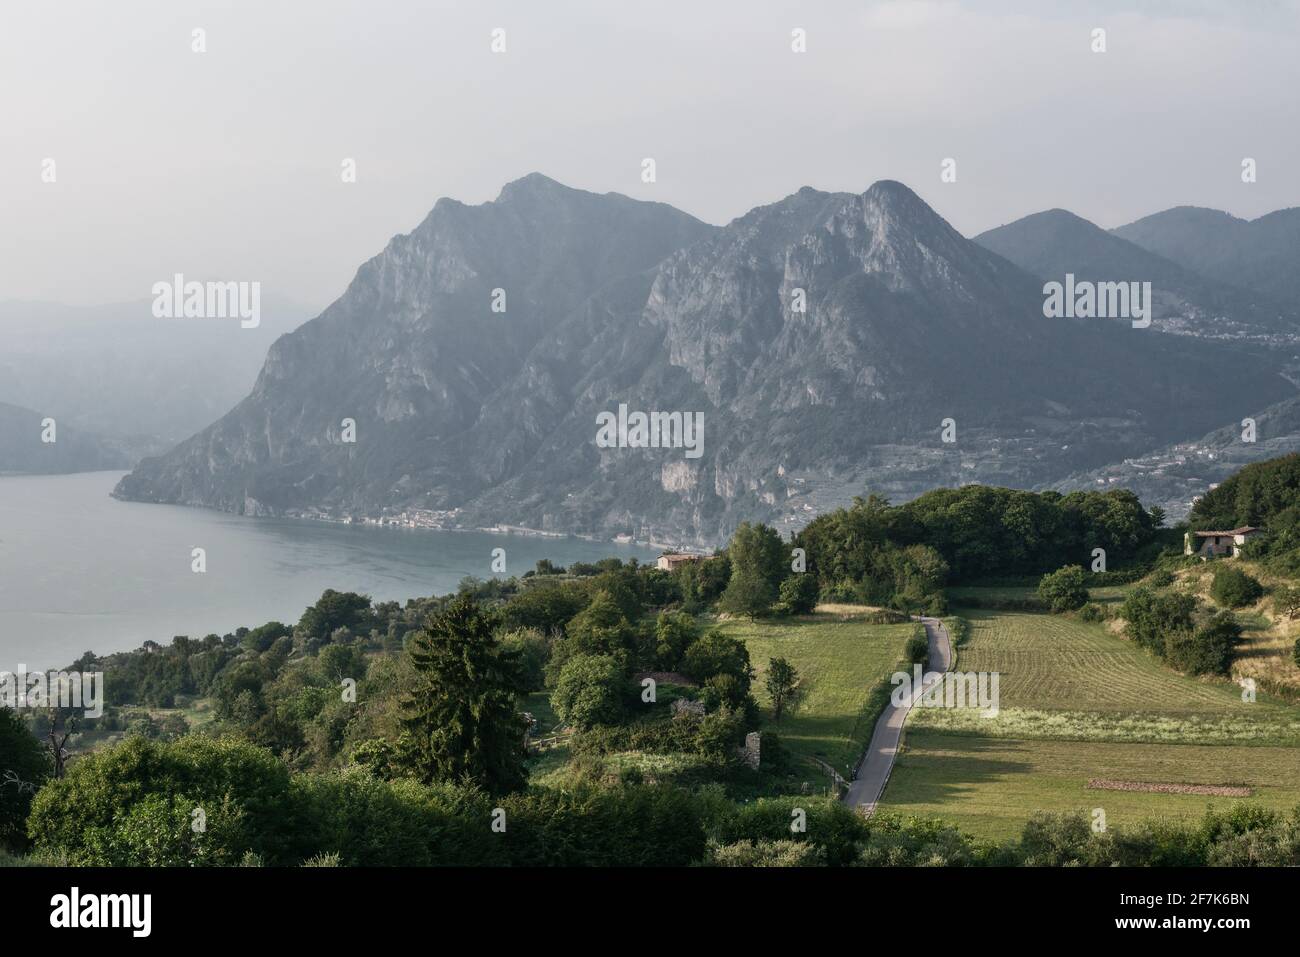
226,164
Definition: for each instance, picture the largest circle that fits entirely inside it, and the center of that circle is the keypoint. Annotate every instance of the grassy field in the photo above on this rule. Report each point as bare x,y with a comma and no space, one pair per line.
1107,595
989,786
1079,702
840,658
1052,662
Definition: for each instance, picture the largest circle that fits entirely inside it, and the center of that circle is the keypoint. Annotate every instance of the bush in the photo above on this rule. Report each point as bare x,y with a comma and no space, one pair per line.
1060,840
1209,649
916,842
766,854
717,654
630,825
133,804
1233,588
1064,589
675,631
591,690
1150,618
917,650
1093,612
799,594
533,652
830,825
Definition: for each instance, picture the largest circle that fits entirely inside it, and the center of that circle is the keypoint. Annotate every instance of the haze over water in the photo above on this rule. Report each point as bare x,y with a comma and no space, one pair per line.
82,571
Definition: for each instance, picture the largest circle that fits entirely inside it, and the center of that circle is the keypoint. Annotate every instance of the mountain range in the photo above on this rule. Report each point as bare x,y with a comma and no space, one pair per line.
29,446
115,371
1260,254
830,341
1188,302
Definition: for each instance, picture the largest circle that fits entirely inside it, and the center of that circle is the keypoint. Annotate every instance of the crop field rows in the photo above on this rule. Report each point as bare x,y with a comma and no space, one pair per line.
1080,703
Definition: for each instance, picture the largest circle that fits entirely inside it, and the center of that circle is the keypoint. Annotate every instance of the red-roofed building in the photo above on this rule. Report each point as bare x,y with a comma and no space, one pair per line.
1214,544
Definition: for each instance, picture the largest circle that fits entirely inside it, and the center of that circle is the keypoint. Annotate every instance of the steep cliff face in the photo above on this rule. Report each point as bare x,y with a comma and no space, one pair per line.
822,340
411,353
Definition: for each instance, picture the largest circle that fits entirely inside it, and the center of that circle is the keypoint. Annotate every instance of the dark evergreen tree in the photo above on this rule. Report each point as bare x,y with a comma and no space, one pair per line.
460,718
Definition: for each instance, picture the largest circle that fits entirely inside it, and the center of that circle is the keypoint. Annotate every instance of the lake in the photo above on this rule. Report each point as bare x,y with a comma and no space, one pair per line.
81,571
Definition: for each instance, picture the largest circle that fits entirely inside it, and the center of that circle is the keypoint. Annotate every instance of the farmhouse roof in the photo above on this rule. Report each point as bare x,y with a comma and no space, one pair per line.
1243,530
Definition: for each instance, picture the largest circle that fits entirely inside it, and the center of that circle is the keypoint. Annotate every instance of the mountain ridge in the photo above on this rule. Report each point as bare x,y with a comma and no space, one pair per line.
812,334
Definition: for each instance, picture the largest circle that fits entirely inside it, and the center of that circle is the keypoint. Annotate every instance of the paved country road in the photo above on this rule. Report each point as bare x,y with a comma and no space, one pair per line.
873,771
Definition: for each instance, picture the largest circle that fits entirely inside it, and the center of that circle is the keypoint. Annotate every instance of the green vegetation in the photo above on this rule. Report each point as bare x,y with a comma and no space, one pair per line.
1065,589
459,718
603,708
981,532
783,687
758,564
1264,495
1170,626
841,660
1077,703
591,691
990,786
1233,588
25,767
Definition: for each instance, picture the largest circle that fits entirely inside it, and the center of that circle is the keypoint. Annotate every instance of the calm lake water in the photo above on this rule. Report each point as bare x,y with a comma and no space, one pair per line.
81,571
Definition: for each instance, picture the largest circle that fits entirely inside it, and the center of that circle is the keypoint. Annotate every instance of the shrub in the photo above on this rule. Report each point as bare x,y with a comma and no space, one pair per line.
591,691
132,805
917,650
1093,612
1150,617
630,825
831,826
1060,840
799,594
916,842
1209,649
1064,589
1233,588
533,650
675,631
766,854
717,654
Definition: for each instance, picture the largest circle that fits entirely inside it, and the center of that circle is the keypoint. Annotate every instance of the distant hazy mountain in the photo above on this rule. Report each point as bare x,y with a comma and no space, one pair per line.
22,449
824,338
1260,254
1173,476
119,371
1053,243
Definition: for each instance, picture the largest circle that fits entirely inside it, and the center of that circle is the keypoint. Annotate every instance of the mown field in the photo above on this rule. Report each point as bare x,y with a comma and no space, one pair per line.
989,786
1105,595
1080,702
841,658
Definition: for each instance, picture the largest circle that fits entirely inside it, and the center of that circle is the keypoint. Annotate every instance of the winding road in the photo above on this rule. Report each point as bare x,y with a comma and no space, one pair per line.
873,770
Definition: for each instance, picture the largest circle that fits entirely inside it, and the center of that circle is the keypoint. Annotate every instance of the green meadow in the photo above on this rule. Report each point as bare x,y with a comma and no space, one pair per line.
1080,702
